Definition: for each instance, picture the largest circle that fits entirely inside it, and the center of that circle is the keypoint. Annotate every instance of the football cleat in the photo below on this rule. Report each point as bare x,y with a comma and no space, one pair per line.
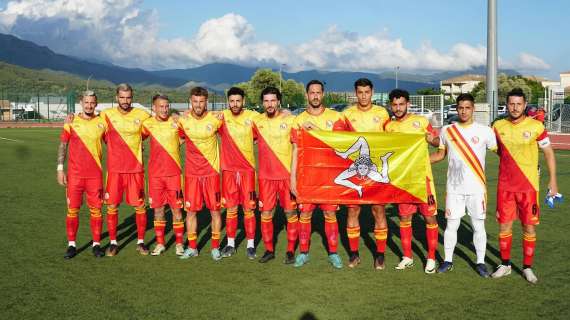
301,260
216,255
354,260
405,263
268,255
250,252
430,266
112,250
228,251
97,251
179,249
445,267
158,250
379,262
529,275
189,253
501,271
482,270
289,258
142,249
334,259
70,253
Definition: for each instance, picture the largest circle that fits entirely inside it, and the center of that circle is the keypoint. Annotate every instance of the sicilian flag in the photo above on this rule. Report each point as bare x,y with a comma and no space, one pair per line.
343,167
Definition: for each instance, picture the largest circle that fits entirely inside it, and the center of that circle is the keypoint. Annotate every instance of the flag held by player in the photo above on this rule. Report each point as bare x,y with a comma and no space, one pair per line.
361,168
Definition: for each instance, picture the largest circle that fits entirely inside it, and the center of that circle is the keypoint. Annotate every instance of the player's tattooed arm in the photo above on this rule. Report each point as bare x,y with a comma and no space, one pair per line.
61,152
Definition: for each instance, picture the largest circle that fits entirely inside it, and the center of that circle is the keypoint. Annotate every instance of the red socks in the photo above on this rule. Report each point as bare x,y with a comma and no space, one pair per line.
331,231
249,224
71,223
292,232
159,226
267,232
178,229
353,238
381,235
505,243
406,238
304,234
529,242
140,218
432,235
95,223
112,222
231,223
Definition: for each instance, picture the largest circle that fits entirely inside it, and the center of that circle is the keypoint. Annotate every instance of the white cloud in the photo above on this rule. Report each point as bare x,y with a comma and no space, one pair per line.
120,32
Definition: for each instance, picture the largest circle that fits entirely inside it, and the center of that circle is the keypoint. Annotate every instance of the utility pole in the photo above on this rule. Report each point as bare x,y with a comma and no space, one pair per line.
397,70
492,93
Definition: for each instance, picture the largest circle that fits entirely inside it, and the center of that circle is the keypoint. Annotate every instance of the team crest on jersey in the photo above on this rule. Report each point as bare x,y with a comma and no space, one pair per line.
526,134
209,127
376,119
248,122
137,121
475,140
174,125
416,124
101,126
329,123
283,126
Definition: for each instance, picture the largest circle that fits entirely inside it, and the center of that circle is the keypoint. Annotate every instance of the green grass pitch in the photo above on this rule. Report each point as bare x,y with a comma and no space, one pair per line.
36,282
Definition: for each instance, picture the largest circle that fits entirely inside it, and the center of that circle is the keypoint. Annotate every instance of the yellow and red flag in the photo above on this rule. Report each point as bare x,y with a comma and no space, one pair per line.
362,168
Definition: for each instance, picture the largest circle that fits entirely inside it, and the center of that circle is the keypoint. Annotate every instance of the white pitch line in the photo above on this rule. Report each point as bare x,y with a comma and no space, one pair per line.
10,139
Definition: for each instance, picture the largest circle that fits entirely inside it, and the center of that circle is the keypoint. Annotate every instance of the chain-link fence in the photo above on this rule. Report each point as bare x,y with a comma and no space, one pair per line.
26,107
557,117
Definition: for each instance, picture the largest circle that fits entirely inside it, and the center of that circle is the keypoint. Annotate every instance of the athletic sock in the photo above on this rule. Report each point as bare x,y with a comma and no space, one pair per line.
292,232
140,218
353,234
331,231
112,222
381,235
479,239
159,226
215,244
72,223
432,235
267,232
529,242
304,234
250,243
178,229
406,238
249,224
232,242
192,237
95,224
231,223
505,243
450,238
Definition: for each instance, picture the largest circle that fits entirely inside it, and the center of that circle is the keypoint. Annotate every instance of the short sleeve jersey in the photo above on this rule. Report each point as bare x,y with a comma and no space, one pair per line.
372,120
164,147
328,120
202,151
237,138
84,146
274,146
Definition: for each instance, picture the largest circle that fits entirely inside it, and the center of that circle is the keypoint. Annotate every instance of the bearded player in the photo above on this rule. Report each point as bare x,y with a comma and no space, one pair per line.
465,143
519,137
82,137
164,172
405,122
316,117
273,131
366,117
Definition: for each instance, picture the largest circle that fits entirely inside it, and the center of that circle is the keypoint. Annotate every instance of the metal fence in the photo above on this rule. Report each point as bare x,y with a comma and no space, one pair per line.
35,107
557,118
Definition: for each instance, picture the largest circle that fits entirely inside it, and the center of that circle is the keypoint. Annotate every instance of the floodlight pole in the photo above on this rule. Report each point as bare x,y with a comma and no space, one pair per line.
397,69
492,93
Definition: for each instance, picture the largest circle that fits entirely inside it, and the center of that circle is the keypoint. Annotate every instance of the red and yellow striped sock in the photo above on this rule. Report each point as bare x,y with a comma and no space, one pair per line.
192,237
331,231
406,238
178,229
159,226
505,244
432,234
304,234
72,223
112,222
249,224
215,244
529,242
353,238
140,218
292,232
95,223
381,234
231,222
267,232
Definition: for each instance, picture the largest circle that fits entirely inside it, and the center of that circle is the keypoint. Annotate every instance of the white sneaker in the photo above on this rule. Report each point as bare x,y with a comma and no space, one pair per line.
405,263
158,250
179,249
501,271
430,266
529,275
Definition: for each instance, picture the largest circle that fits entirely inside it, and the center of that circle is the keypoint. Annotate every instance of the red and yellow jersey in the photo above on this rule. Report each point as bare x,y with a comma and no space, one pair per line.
371,120
412,123
84,140
328,120
518,153
237,137
164,147
202,153
124,140
274,146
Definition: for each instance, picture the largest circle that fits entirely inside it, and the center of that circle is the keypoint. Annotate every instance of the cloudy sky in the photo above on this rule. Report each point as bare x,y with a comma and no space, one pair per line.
371,35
